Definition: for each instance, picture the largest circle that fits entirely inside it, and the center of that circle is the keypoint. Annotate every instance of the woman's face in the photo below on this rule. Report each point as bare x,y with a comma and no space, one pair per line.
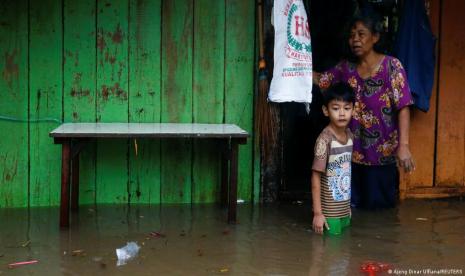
362,40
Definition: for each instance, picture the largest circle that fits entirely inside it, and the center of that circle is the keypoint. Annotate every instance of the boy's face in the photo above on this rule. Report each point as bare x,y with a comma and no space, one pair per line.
339,113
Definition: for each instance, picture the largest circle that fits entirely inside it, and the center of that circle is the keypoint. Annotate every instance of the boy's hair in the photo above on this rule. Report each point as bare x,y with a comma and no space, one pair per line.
340,91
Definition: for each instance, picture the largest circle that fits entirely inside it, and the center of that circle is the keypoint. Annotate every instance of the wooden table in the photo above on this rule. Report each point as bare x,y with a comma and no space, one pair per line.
74,136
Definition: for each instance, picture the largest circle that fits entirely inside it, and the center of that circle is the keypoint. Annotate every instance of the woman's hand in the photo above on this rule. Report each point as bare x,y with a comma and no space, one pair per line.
316,78
404,158
319,221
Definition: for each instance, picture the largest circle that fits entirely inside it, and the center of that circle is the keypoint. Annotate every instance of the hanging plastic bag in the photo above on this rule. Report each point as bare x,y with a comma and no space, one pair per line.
292,73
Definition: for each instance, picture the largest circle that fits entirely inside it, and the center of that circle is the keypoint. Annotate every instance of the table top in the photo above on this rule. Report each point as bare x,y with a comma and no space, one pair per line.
155,130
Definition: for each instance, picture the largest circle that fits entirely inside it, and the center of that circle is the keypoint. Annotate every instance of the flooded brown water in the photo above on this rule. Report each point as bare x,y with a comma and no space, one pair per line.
268,240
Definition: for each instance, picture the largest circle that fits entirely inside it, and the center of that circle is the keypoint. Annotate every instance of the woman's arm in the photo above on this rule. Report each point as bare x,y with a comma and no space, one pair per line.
319,220
326,78
401,102
403,152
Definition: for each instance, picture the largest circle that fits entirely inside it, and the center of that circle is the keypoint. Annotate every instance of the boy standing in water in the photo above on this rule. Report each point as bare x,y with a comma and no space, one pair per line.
331,174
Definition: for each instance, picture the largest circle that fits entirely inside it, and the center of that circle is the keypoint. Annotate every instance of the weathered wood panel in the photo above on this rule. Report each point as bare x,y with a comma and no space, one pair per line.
112,98
79,81
119,61
450,161
208,94
45,99
13,104
423,127
176,106
144,103
239,82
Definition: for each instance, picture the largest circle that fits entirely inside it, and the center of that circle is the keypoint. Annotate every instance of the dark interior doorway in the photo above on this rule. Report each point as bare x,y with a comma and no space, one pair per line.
299,130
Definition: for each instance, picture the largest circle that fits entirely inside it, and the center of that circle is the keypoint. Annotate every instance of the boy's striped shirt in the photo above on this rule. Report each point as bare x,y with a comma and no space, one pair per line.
333,159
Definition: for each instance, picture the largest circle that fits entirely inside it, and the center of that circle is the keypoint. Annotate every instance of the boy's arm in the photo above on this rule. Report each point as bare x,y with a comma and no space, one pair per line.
319,220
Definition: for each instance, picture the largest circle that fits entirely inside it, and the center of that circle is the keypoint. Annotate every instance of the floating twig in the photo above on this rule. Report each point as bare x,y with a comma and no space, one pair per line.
13,265
157,234
26,243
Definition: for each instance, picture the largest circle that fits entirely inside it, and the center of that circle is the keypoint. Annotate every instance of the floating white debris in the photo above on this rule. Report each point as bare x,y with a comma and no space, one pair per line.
126,253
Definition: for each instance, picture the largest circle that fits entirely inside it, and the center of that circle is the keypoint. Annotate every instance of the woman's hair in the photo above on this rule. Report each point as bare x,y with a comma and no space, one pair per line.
373,23
340,91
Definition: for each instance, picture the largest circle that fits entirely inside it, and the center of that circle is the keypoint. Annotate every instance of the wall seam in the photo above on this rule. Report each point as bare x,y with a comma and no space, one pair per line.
161,99
128,151
192,101
436,121
96,100
28,103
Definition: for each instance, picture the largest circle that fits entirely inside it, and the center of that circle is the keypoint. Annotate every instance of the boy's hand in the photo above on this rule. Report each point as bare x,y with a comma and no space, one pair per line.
319,221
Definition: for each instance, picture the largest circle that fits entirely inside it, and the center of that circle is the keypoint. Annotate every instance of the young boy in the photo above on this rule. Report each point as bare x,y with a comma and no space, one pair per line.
332,163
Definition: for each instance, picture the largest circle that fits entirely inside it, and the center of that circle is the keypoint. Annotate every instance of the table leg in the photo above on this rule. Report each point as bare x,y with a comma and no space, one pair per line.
75,183
224,173
233,182
65,168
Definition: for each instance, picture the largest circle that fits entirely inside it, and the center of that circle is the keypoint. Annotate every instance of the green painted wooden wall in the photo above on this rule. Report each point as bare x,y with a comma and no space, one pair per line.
124,61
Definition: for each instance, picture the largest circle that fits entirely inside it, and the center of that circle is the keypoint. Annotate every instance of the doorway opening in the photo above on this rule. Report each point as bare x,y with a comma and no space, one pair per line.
299,130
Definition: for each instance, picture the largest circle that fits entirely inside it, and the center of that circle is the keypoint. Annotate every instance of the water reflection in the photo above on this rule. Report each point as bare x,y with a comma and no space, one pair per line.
195,240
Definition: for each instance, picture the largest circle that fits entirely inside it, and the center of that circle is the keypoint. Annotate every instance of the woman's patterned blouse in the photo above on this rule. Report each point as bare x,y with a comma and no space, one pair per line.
379,98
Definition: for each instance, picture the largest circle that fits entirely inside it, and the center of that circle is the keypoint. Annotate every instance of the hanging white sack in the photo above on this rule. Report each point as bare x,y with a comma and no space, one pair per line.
292,73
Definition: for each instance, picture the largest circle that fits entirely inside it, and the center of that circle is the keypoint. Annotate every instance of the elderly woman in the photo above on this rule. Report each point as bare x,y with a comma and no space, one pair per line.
381,118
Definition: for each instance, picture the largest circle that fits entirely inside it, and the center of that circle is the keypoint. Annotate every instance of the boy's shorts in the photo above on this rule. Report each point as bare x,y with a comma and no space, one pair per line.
336,225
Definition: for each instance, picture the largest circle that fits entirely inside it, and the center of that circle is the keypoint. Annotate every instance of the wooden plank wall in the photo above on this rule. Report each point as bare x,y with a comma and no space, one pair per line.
14,174
238,57
177,43
112,99
450,162
144,97
207,15
80,80
438,137
423,128
45,99
123,61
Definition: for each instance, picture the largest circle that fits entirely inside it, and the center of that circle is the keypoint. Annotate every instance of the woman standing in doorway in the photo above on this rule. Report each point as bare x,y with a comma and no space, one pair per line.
381,117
